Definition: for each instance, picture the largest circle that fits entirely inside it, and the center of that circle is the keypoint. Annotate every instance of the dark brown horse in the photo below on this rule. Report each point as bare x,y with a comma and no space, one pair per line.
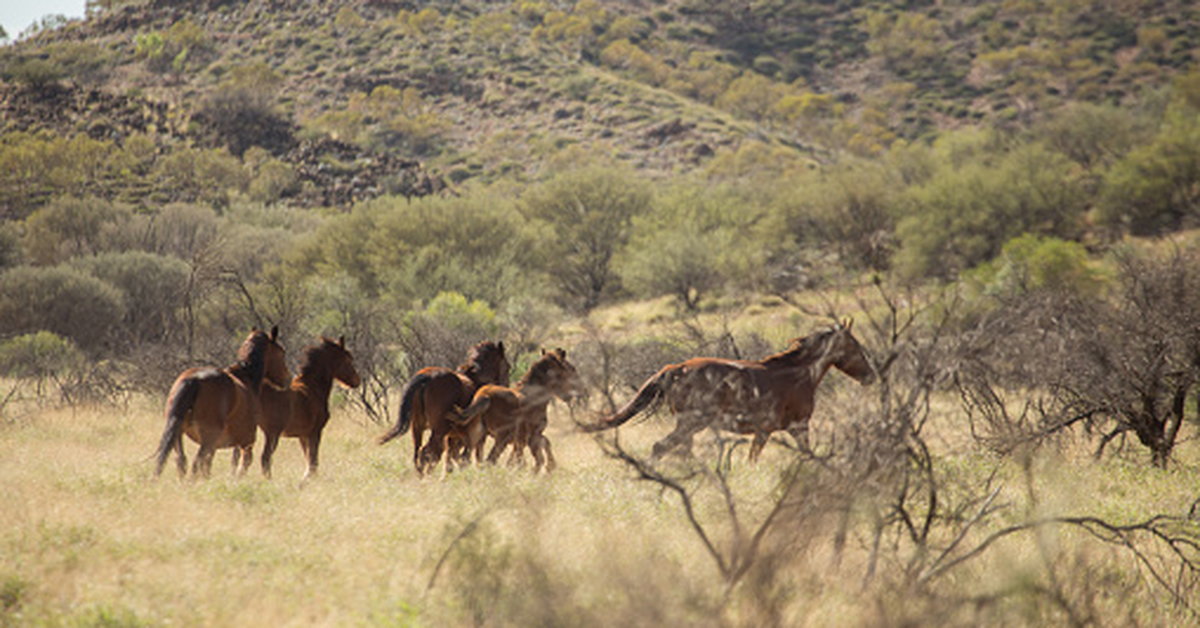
517,415
435,395
748,397
302,409
219,407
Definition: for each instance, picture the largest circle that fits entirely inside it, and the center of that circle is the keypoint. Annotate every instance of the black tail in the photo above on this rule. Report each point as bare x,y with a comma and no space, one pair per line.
415,386
650,392
181,400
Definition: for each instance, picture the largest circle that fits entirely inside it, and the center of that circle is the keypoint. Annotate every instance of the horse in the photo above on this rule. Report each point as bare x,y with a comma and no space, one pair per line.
517,415
747,397
435,394
301,410
219,408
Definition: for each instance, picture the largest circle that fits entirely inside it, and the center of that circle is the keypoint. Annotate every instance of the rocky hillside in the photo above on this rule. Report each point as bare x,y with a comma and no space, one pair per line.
351,99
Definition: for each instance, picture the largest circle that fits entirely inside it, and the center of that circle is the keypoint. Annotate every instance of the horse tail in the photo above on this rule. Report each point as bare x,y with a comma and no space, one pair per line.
477,407
415,386
179,403
650,392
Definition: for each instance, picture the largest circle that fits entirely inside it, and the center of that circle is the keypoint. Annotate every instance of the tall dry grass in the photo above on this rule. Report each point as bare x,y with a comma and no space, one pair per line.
89,537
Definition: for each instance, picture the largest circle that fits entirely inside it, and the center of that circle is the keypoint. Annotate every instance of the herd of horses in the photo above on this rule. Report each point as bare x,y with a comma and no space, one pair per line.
461,408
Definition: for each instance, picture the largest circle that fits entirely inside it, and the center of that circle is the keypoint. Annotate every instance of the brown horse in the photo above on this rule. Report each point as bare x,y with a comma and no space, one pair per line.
302,409
748,397
219,407
517,415
435,395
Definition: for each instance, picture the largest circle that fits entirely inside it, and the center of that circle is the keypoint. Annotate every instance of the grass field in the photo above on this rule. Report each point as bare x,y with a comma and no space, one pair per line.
89,537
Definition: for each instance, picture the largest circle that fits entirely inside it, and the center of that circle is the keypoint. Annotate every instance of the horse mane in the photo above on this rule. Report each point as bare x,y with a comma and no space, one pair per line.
538,368
471,366
251,366
314,356
803,350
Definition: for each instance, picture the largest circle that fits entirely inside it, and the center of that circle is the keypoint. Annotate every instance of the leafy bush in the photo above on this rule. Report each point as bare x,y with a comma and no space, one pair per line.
963,215
38,356
68,227
587,214
241,110
692,242
1156,187
67,302
1031,262
152,287
36,166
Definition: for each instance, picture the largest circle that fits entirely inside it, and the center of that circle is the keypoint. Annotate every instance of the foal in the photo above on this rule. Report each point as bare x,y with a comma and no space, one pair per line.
517,415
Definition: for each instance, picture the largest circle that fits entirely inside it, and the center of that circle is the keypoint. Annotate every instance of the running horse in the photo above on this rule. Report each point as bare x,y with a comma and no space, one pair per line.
517,415
435,395
219,408
748,397
301,410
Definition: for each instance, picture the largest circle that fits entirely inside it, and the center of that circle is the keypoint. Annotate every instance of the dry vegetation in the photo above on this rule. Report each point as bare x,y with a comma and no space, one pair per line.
90,538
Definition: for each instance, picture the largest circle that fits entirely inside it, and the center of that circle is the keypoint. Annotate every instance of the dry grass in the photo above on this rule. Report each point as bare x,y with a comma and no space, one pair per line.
89,537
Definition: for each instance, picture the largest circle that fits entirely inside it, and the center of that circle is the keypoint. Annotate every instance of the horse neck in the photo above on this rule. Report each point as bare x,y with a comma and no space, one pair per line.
316,376
534,392
251,372
473,372
815,359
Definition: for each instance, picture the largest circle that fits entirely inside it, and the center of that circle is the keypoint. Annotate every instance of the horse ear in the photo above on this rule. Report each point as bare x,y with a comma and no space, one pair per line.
849,323
500,345
342,341
275,332
562,353
543,350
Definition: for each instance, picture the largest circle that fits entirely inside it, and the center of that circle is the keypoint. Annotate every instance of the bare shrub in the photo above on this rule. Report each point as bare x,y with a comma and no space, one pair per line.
1121,364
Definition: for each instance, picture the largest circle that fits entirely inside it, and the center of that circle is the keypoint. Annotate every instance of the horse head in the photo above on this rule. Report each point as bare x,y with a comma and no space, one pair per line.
343,367
848,355
487,364
553,372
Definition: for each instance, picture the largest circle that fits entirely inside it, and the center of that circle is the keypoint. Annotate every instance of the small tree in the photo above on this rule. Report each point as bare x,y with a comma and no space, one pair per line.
588,215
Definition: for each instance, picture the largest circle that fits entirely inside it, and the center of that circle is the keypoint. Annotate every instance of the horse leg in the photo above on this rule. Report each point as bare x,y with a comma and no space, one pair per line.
685,428
799,432
543,457
756,447
202,465
180,458
236,458
418,436
431,453
313,449
270,442
502,441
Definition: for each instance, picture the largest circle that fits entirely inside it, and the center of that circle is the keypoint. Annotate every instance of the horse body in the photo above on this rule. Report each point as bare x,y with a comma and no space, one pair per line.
434,396
301,410
517,415
219,408
747,397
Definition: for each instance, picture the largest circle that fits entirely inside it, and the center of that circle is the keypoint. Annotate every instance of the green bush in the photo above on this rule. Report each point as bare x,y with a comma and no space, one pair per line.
964,213
62,300
1155,188
1031,262
152,286
38,355
68,227
587,215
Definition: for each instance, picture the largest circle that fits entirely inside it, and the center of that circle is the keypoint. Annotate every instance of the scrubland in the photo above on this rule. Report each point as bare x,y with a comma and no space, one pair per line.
89,537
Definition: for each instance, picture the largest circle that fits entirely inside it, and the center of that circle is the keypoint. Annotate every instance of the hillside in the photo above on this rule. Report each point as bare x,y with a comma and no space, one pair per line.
418,96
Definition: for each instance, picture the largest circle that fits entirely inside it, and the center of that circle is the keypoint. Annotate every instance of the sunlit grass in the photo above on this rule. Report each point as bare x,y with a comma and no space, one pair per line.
89,536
